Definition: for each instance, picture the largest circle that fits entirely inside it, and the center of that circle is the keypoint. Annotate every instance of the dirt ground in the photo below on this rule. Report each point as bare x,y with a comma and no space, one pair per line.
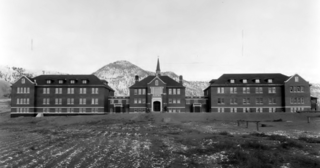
160,140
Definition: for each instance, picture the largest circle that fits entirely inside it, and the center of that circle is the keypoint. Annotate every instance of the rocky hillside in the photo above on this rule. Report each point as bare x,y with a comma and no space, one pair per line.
120,76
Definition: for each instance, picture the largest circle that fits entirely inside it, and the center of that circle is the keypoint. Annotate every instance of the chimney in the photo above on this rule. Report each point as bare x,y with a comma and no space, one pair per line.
137,78
181,79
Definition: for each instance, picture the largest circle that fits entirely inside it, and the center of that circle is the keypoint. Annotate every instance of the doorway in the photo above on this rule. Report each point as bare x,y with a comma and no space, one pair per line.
156,106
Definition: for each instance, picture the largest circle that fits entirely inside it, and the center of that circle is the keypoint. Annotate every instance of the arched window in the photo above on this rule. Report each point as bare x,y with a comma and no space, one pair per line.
23,81
157,82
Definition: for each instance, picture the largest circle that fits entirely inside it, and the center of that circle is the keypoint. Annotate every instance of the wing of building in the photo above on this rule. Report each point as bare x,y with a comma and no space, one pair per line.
232,93
60,94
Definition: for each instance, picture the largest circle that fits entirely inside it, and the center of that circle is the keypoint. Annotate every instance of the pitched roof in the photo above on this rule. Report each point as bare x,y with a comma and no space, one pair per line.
277,78
92,79
166,79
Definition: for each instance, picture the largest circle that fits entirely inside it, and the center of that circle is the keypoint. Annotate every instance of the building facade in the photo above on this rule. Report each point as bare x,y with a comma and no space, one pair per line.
230,93
60,94
258,93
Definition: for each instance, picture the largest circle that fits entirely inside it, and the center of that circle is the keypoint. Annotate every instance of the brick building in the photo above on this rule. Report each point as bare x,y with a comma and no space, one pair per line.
157,93
232,93
258,93
60,94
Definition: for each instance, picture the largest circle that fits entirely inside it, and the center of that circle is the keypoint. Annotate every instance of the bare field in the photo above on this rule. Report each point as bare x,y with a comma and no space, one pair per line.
159,140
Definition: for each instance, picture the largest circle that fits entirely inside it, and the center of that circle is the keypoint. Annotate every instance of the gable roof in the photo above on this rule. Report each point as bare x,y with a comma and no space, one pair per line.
92,79
277,78
166,79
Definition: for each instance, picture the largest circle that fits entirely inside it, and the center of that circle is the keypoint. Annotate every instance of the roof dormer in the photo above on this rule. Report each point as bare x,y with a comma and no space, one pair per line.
49,81
270,80
232,80
244,81
256,80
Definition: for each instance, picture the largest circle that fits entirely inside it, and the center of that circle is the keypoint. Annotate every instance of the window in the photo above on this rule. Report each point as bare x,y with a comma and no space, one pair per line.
244,81
170,101
259,100
18,90
84,81
28,90
23,81
56,101
157,83
257,80
233,110
139,91
46,101
296,79
220,100
135,91
246,90
272,90
220,89
135,101
72,81
94,101
170,91
18,101
60,81
269,80
302,89
291,88
174,91
259,90
178,101
174,101
143,101
139,101
48,81
231,80
272,101
233,101
70,90
143,91
94,90
58,90
46,90
233,90
178,91
246,100
83,90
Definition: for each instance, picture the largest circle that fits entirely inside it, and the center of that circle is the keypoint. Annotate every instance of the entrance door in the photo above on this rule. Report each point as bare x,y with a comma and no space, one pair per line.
197,109
156,106
118,109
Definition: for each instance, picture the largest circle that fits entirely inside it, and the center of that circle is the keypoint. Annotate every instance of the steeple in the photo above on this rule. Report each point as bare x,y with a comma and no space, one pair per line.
158,68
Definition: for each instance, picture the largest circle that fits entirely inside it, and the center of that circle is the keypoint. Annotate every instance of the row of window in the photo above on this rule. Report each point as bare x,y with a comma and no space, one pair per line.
72,81
139,91
195,101
174,110
23,90
174,91
174,101
294,89
297,100
247,110
70,101
245,90
23,101
245,101
23,110
71,90
112,101
140,101
246,80
71,110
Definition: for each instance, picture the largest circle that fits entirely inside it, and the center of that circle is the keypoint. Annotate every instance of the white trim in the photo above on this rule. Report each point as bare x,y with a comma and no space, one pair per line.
176,107
60,112
298,106
61,107
247,107
154,79
24,77
22,107
87,85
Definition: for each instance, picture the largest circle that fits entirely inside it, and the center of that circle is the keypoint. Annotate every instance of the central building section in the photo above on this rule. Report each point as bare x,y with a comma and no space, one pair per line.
157,93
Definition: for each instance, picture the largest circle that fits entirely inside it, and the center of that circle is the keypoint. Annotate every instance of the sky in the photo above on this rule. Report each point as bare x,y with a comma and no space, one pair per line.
199,39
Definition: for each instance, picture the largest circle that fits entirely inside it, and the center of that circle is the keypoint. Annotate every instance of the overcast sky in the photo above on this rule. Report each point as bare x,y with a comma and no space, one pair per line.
199,39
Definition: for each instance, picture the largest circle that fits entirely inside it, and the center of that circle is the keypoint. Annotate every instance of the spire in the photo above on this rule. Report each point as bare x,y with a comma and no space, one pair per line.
158,68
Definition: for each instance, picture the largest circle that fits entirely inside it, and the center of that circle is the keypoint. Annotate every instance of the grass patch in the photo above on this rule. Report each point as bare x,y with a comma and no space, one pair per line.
309,139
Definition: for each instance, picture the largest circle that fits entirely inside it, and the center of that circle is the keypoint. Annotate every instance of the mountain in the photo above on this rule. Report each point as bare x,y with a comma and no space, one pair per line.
120,76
